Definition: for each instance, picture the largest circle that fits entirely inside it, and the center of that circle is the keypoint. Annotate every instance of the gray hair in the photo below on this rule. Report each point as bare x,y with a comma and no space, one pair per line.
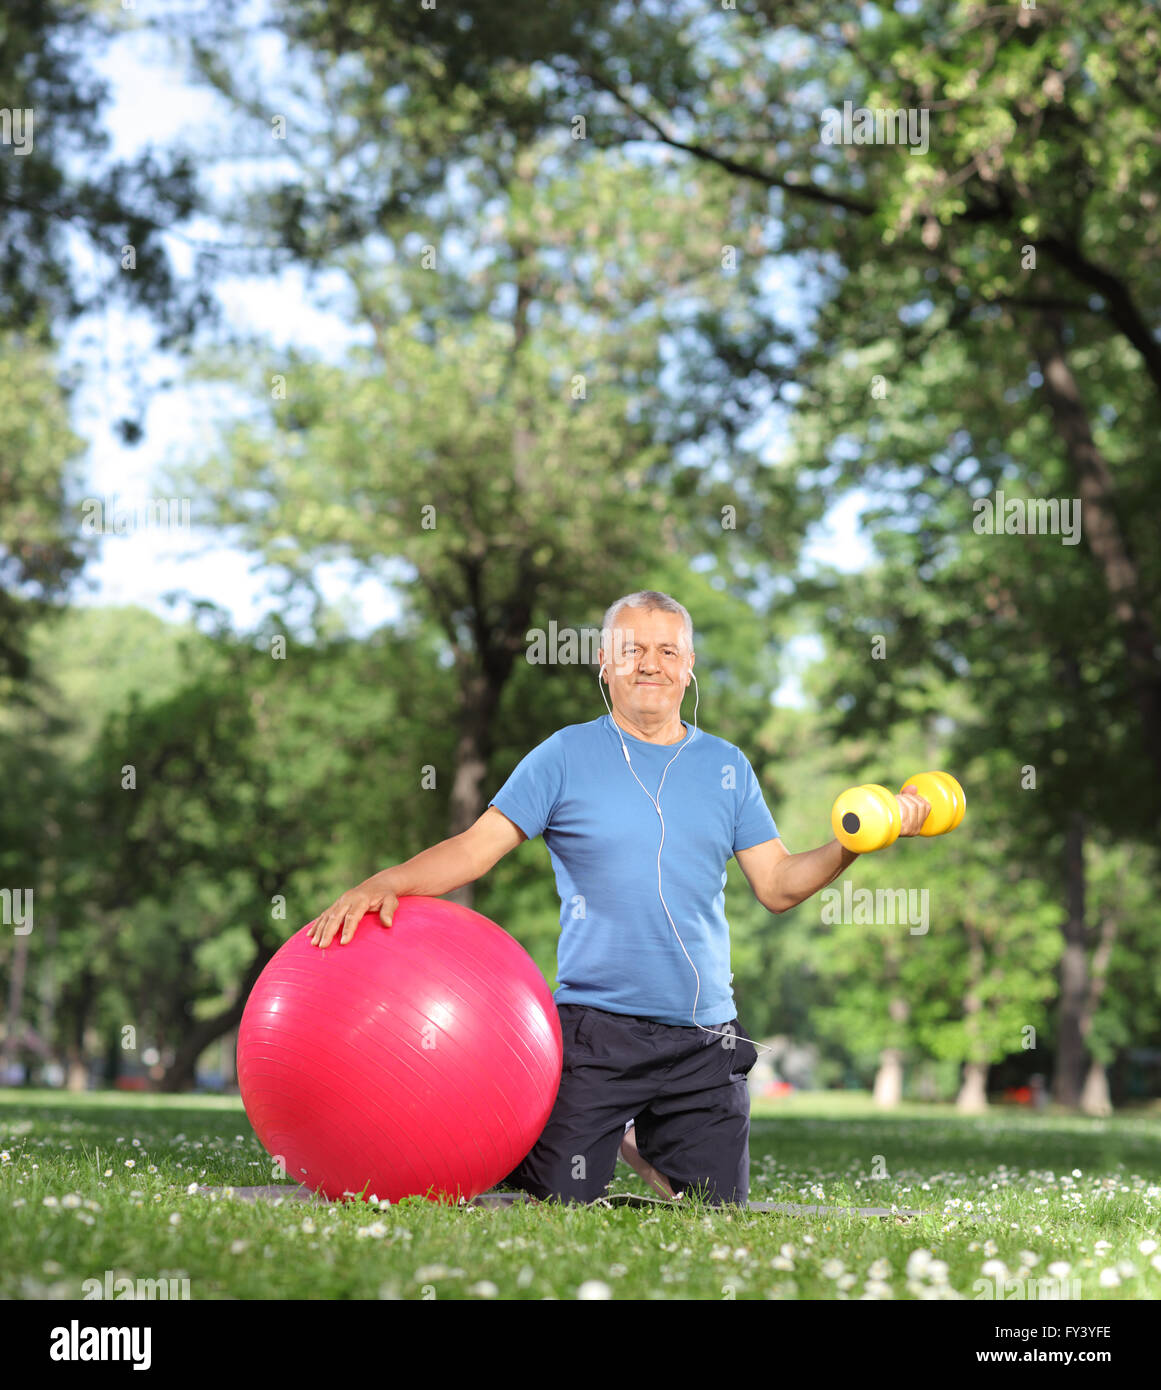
648,599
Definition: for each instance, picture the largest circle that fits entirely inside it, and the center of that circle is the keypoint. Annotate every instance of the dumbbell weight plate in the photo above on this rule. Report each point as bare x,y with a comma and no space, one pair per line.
866,818
945,806
890,803
961,799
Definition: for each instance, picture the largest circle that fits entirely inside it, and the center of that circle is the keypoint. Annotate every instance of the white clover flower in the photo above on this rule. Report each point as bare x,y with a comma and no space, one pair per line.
591,1288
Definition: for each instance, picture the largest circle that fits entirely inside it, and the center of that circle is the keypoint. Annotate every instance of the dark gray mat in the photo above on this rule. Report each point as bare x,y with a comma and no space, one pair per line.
290,1193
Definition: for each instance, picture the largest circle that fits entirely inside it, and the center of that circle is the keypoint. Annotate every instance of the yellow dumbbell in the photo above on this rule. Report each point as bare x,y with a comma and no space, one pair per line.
868,818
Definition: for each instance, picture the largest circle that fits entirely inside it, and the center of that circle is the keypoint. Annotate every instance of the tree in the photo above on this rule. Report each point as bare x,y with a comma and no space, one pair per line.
500,437
1032,207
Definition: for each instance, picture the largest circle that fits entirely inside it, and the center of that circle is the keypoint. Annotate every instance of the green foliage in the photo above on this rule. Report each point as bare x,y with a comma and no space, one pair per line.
39,548
568,335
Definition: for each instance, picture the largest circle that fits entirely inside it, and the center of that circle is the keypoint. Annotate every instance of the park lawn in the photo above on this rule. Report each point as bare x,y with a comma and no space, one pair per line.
101,1182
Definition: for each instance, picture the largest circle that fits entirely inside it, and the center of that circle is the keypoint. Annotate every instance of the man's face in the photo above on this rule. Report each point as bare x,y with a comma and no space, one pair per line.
648,663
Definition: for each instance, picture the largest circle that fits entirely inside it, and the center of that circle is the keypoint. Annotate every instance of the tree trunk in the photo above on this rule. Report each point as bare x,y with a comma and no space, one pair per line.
1102,529
12,1029
113,1055
498,638
1070,1051
889,1078
477,711
77,1069
229,1061
973,1091
484,671
1094,1099
181,1072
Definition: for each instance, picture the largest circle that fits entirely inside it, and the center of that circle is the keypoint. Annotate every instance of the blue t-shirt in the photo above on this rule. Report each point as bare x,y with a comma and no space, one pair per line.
617,950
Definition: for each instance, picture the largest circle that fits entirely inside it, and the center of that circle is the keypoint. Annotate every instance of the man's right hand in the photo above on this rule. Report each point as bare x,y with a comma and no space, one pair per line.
350,909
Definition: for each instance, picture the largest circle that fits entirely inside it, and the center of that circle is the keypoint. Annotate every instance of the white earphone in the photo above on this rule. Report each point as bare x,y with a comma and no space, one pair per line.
657,807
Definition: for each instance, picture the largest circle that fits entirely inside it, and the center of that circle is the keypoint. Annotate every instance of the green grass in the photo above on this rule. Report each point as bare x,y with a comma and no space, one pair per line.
72,1207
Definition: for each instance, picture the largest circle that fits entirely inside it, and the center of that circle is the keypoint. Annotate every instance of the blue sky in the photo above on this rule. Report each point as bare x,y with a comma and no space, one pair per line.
152,103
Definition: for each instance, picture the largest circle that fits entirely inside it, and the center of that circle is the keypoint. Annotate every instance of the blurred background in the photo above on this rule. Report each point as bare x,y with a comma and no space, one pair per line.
344,346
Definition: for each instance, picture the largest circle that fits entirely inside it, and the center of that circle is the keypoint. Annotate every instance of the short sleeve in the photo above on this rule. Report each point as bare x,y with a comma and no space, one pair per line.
754,824
530,795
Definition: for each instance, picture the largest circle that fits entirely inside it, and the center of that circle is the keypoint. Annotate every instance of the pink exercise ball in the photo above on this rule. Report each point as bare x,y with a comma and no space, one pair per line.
420,1059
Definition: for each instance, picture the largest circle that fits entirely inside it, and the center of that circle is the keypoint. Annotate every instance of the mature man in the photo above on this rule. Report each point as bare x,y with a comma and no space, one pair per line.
641,815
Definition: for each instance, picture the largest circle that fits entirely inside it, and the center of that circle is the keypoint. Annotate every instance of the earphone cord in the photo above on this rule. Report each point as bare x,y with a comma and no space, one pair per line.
657,807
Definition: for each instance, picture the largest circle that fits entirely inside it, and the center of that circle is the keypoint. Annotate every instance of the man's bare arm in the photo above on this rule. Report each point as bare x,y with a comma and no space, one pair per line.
782,880
450,864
